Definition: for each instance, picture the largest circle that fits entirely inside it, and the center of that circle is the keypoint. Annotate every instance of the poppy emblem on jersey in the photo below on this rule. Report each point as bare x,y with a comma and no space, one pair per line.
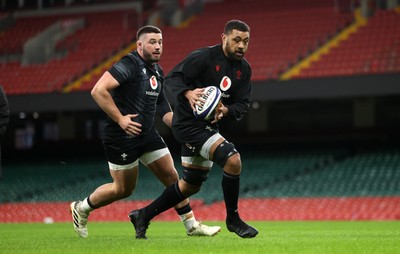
217,68
153,82
225,83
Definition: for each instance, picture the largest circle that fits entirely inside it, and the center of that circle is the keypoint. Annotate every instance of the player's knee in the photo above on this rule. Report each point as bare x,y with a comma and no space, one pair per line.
224,152
189,189
124,192
234,160
171,178
194,177
234,164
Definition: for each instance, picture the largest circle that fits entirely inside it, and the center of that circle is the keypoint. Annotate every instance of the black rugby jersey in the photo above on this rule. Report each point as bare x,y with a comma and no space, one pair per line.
205,67
139,92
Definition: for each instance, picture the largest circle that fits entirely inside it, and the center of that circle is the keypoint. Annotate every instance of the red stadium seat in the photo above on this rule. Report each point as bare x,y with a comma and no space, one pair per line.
88,47
373,49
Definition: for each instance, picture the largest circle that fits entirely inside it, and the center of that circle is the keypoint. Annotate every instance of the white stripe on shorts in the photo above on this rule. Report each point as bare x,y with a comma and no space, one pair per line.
205,149
152,156
204,159
113,166
197,161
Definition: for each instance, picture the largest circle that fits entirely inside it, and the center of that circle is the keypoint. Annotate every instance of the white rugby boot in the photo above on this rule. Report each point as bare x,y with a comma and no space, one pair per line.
199,229
79,219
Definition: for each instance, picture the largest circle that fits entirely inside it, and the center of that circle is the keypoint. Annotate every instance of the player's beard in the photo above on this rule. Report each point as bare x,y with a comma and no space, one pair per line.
232,54
148,57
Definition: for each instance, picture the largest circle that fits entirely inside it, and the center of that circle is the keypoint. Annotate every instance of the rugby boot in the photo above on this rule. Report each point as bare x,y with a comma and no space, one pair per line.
241,228
139,223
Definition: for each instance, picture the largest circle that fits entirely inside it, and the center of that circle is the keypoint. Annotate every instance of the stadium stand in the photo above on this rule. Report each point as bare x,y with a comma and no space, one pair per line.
373,49
338,183
302,29
13,39
334,183
85,49
362,174
282,32
61,181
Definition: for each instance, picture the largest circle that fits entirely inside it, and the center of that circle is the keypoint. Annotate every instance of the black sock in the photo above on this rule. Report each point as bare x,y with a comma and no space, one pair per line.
170,197
230,187
184,210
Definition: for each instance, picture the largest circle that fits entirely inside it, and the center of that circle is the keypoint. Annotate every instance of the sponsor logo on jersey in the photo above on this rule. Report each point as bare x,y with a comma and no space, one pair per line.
225,95
225,83
152,93
153,82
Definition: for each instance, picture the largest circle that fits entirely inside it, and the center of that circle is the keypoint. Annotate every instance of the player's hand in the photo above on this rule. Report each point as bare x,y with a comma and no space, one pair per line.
131,128
194,97
220,112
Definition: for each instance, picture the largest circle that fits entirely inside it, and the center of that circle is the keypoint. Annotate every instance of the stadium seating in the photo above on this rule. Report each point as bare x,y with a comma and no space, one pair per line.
60,181
86,48
332,183
13,39
365,174
373,49
275,174
281,32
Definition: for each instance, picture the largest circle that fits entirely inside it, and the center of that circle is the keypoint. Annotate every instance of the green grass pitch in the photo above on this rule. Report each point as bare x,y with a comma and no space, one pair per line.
169,237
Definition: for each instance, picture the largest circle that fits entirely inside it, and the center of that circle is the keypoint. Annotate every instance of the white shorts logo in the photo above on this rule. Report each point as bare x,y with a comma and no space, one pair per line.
225,83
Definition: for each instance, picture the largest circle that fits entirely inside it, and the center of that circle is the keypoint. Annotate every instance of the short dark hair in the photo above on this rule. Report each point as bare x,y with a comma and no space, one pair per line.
236,24
147,30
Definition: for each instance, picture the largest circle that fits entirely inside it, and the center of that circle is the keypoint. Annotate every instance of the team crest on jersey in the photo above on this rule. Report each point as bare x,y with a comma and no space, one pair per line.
238,74
153,82
144,70
225,83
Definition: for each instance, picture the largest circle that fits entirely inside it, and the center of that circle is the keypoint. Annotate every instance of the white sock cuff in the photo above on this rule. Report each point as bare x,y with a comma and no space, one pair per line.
85,207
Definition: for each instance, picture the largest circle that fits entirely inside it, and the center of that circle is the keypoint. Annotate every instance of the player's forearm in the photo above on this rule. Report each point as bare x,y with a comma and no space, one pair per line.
106,103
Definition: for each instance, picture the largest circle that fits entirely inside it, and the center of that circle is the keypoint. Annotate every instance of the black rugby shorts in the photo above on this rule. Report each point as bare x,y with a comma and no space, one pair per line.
123,152
192,138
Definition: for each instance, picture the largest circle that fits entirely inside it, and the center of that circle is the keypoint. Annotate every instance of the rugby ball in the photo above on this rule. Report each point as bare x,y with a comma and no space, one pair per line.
206,110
